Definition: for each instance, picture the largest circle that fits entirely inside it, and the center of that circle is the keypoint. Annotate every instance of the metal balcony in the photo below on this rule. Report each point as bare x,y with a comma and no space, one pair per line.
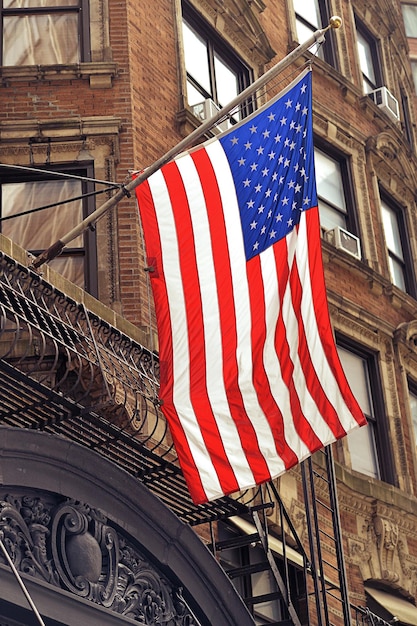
64,370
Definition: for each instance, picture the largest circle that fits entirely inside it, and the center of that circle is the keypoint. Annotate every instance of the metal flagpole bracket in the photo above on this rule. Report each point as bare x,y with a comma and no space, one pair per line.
56,248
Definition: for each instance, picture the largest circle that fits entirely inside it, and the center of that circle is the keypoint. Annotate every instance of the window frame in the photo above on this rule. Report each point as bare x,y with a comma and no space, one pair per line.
329,50
374,49
89,248
215,45
412,5
347,183
412,390
378,421
406,117
83,11
406,262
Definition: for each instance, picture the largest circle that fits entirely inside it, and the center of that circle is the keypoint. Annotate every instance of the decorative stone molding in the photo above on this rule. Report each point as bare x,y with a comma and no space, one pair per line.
100,74
237,21
70,545
386,532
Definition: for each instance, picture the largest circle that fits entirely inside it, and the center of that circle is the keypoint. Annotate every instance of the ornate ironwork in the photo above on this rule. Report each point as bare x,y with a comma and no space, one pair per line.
65,370
75,547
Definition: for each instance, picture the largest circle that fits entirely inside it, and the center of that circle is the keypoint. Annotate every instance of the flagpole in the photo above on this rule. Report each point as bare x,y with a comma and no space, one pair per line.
125,190
20,581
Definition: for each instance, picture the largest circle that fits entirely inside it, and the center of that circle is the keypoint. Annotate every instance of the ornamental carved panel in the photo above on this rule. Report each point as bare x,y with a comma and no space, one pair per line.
74,547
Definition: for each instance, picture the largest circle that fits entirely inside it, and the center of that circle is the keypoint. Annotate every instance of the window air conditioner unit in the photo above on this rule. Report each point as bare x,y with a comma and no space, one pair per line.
205,110
344,240
384,99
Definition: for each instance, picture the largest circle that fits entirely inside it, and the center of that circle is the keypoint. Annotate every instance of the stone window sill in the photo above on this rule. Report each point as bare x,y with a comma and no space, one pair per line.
100,74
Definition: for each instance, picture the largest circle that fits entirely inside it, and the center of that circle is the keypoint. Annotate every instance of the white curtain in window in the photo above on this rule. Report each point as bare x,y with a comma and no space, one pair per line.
39,230
40,39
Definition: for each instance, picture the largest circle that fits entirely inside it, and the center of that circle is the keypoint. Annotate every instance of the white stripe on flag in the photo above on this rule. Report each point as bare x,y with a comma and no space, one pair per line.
181,391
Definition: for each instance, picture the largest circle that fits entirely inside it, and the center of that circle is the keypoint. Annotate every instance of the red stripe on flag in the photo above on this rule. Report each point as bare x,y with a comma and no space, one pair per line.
227,313
153,247
195,328
260,378
314,385
285,273
319,302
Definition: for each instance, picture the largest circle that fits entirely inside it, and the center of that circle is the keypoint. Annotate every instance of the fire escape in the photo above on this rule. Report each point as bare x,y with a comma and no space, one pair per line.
66,371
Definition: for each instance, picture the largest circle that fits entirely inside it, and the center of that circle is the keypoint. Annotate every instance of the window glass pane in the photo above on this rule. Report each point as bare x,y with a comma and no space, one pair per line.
361,442
226,82
303,33
329,218
329,180
414,70
410,19
413,411
309,11
392,231
37,231
196,58
72,267
356,371
366,62
40,39
397,273
32,4
193,95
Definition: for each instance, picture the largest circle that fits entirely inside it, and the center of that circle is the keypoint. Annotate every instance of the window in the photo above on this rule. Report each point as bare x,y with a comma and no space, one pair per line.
412,396
368,446
38,230
397,246
368,59
309,17
410,19
213,70
44,32
406,119
414,71
332,183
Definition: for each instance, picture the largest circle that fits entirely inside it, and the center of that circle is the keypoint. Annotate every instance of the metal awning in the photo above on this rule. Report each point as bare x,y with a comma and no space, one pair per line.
64,370
397,608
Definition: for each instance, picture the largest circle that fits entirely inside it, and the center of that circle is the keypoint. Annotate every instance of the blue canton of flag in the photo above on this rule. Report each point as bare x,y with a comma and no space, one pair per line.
272,163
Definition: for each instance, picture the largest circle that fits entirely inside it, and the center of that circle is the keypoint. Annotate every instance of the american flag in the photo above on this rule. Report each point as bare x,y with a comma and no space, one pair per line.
251,382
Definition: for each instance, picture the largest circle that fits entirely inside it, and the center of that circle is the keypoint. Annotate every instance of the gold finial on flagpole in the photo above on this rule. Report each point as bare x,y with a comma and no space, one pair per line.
335,21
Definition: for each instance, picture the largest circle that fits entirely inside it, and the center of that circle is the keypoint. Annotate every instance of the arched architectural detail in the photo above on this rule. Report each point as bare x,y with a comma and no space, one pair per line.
78,523
390,160
237,21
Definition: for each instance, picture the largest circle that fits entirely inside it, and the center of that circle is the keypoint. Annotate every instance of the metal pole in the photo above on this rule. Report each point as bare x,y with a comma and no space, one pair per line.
20,581
56,248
